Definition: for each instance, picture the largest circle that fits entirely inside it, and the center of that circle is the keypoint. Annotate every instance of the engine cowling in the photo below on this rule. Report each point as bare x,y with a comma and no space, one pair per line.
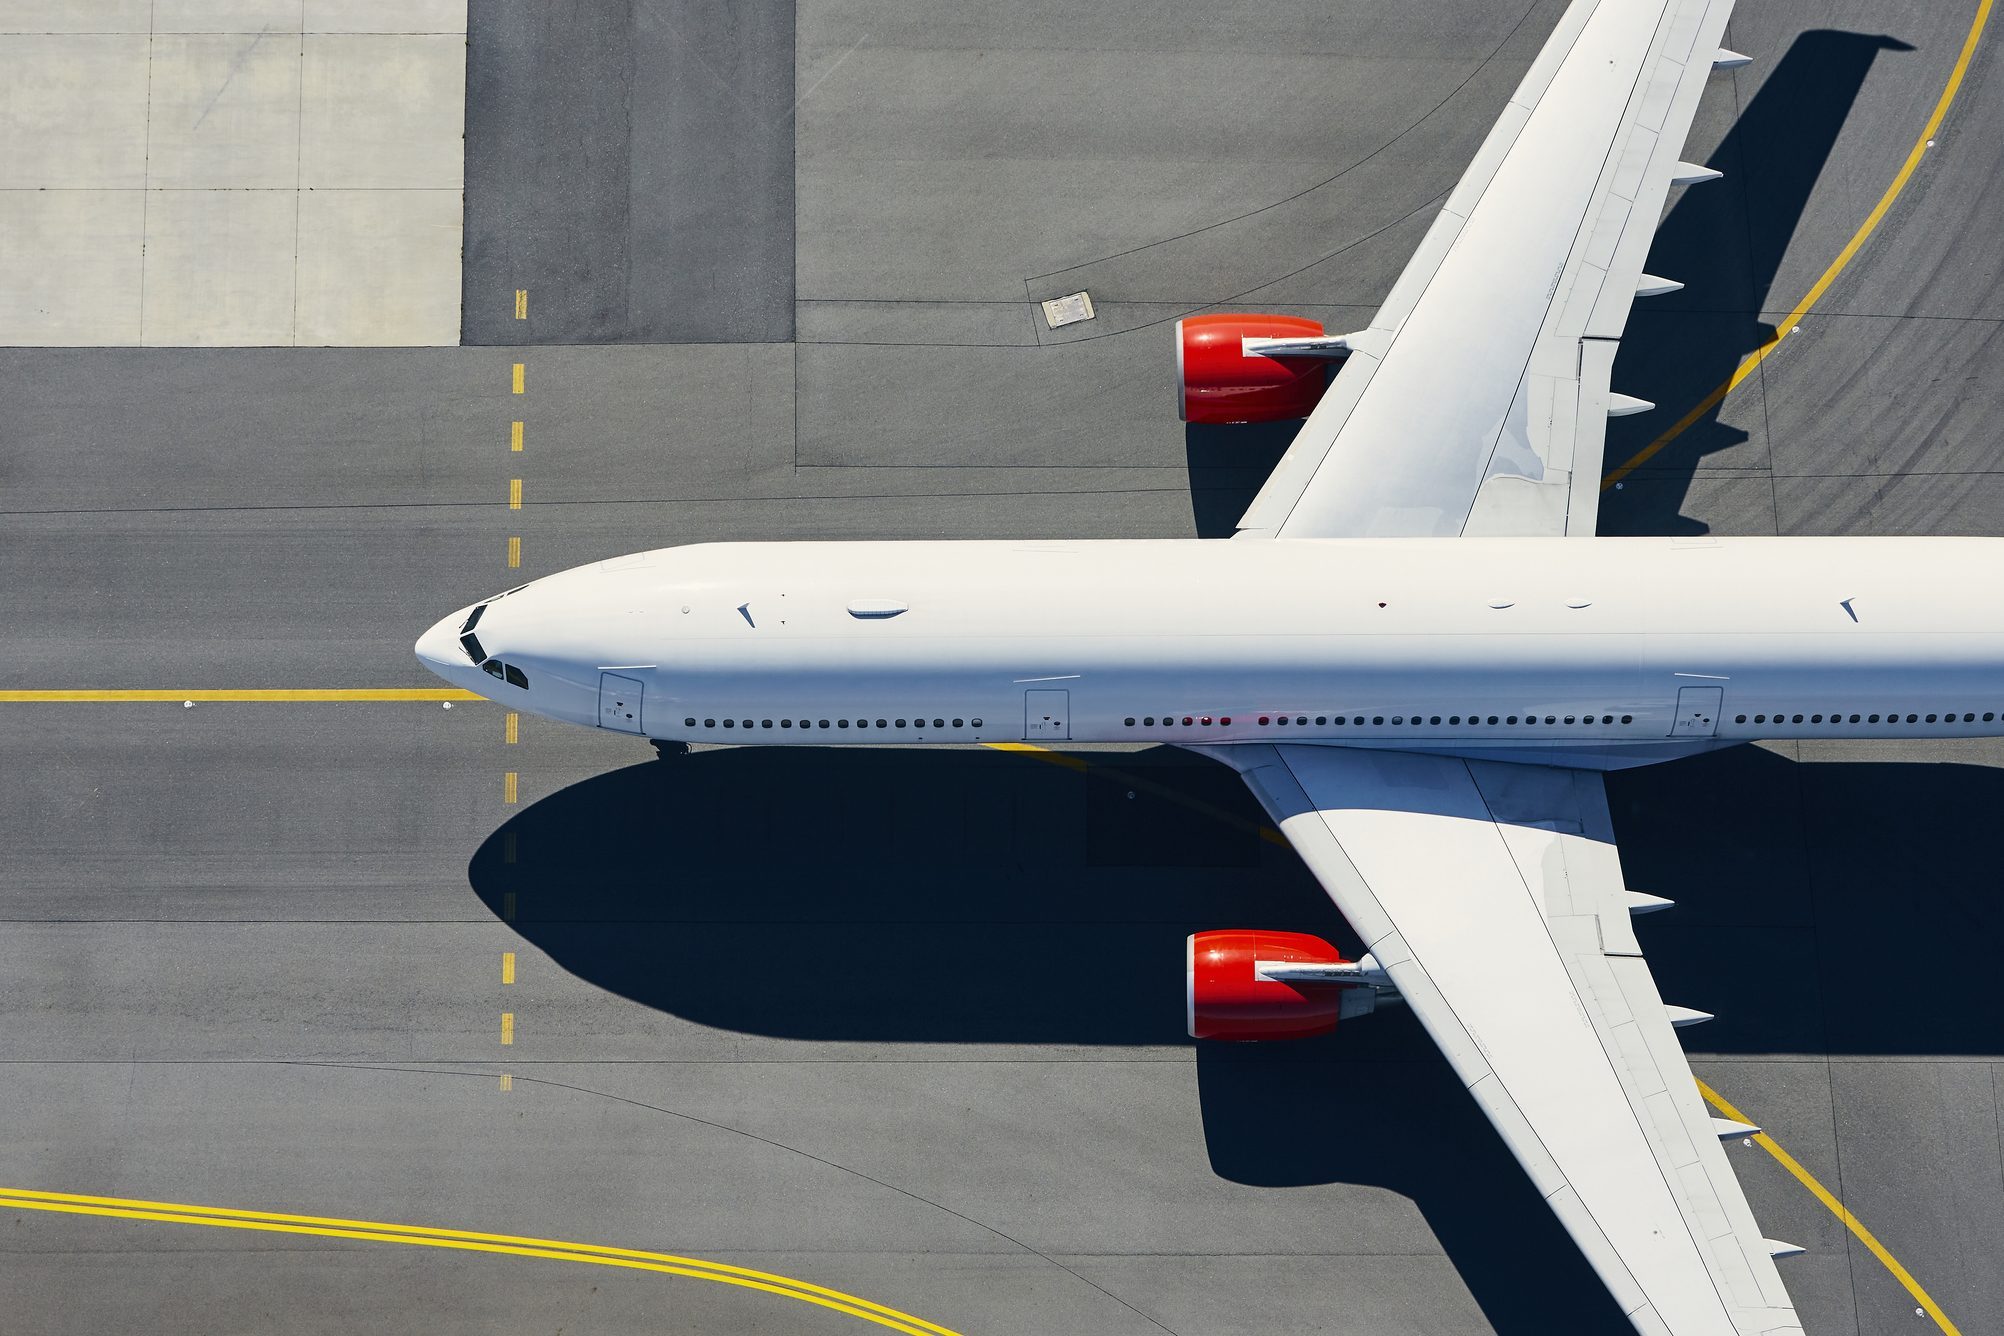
1225,998
1220,382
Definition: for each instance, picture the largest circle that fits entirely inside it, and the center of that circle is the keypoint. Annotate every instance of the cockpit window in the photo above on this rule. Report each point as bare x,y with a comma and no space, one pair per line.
492,667
516,677
471,644
472,618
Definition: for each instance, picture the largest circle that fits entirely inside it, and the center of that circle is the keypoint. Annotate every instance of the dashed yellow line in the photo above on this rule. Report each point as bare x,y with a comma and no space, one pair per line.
514,494
507,1027
514,1245
520,372
512,730
507,1081
1836,1208
508,787
521,303
1837,266
508,905
507,967
514,436
233,695
514,553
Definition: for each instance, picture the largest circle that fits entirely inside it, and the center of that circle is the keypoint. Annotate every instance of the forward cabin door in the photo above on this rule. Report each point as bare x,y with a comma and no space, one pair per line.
1047,716
619,700
1697,712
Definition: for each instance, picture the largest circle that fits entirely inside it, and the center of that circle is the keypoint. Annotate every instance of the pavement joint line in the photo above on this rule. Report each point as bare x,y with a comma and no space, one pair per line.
1837,266
1836,1208
377,1231
238,695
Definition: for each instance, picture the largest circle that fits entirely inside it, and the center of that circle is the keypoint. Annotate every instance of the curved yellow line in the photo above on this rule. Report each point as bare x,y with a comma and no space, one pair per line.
243,694
376,1231
1837,266
1836,1208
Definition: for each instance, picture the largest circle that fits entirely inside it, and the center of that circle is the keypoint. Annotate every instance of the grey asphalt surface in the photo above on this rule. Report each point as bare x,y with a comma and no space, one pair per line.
250,954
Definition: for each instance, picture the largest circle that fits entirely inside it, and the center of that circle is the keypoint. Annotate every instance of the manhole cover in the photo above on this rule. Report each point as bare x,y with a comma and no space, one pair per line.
1062,311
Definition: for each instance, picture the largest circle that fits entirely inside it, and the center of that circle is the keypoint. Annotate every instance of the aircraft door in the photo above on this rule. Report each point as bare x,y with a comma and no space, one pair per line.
619,701
1047,715
1697,712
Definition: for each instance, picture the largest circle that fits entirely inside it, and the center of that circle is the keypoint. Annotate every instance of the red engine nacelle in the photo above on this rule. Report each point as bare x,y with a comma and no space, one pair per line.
1219,382
1226,1000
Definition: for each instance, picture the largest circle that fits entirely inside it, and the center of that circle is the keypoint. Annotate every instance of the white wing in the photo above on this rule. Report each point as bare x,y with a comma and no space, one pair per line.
1492,895
1477,401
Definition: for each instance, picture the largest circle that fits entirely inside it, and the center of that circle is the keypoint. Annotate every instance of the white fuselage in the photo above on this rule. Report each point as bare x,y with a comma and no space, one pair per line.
1577,651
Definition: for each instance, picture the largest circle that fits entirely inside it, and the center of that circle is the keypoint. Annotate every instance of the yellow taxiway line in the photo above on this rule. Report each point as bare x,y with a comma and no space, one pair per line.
377,1231
246,694
1836,1208
1837,266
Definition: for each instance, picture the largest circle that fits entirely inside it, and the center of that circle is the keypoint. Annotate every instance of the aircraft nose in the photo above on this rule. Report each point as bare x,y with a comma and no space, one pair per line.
438,648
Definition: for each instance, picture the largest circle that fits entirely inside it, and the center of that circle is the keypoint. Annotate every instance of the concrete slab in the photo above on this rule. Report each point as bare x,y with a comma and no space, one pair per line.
73,111
225,16
378,267
382,111
54,16
219,267
434,16
224,113
70,272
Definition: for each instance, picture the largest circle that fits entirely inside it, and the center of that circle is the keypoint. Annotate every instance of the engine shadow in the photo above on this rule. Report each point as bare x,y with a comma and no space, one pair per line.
1725,241
1228,466
970,897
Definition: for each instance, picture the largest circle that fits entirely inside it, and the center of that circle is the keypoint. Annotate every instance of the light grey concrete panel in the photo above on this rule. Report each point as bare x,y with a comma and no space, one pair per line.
224,112
73,111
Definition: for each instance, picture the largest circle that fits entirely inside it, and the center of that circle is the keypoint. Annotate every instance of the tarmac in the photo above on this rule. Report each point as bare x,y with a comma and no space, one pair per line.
907,1023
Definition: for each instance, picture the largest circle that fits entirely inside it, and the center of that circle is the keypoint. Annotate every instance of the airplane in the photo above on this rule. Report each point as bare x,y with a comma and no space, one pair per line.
1414,650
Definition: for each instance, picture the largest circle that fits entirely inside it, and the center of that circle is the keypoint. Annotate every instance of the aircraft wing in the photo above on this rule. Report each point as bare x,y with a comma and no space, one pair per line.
1492,895
1477,401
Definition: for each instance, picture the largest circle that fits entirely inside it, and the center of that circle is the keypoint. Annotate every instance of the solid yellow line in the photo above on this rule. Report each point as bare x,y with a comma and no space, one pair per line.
1836,1208
518,377
507,967
514,494
513,728
521,303
470,1241
514,553
508,787
514,436
247,694
1837,266
507,1027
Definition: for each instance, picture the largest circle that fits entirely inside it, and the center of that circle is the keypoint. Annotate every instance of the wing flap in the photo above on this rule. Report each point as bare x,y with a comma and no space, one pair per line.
1491,894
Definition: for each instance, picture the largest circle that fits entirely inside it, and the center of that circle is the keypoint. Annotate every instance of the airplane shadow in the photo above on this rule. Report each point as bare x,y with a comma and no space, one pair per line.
959,897
1725,241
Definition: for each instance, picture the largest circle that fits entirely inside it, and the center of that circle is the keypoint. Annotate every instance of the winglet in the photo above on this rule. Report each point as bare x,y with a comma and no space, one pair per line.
1621,405
1683,1016
1640,903
1691,174
1727,1129
1651,286
1776,1248
1729,60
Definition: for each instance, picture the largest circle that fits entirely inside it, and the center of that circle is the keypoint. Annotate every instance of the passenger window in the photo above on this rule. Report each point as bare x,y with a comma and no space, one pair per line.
765,723
882,724
1377,719
1320,720
957,724
688,723
729,722
709,723
1798,719
939,723
786,723
516,677
1628,719
492,667
1739,719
